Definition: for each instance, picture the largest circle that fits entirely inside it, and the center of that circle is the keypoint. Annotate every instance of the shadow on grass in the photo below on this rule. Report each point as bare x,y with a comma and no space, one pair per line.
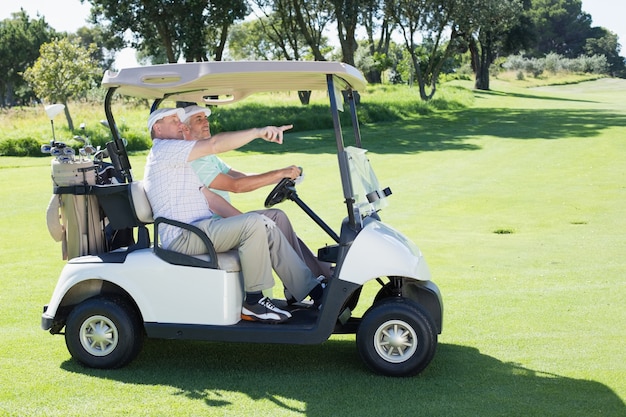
329,379
482,93
454,131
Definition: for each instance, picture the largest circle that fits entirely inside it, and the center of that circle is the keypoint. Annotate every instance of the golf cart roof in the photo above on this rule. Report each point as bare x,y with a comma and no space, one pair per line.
229,81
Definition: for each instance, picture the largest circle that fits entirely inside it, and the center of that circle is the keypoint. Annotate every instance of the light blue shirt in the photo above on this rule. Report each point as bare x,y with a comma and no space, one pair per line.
208,168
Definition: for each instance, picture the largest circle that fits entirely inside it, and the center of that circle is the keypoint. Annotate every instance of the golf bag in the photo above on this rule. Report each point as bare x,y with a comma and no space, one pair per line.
73,215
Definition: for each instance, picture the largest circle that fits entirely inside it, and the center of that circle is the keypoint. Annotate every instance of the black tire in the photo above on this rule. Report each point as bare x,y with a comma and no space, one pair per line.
103,333
396,338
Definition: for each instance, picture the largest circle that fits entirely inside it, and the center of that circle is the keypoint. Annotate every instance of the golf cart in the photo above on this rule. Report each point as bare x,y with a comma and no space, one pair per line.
111,295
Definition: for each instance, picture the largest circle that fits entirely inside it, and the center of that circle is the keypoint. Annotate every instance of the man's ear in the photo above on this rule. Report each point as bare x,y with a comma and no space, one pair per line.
186,130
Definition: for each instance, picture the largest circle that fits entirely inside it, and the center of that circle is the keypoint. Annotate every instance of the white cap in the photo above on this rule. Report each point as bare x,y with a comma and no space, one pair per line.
159,114
191,110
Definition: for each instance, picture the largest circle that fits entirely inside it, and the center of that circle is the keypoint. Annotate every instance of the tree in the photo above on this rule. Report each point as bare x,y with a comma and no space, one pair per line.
521,36
63,70
249,41
347,18
377,18
222,15
275,31
430,19
605,42
483,24
20,40
106,47
151,22
171,28
561,27
293,24
312,17
266,38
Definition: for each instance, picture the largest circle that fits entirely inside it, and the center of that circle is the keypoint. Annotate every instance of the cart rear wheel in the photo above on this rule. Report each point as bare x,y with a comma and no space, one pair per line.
396,338
103,333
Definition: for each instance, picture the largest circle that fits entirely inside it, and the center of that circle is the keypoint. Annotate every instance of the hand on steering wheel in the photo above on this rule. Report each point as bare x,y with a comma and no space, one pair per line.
282,191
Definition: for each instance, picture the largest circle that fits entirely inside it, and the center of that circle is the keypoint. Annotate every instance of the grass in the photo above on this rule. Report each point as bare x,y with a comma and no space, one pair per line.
516,200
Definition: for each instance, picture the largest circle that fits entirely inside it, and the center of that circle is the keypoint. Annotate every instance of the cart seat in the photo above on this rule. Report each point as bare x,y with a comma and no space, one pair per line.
142,210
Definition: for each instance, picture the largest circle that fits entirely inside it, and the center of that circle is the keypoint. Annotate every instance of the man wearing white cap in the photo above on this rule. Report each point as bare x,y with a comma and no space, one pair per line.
221,178
176,192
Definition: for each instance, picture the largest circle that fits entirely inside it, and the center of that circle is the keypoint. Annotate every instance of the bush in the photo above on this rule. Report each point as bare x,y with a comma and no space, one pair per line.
555,64
596,64
136,142
20,147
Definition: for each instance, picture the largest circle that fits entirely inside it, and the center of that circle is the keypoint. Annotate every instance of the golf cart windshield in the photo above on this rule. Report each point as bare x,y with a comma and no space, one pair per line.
368,197
219,83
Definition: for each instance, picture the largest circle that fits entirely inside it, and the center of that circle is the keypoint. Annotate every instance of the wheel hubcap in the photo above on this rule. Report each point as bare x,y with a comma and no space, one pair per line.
395,341
99,335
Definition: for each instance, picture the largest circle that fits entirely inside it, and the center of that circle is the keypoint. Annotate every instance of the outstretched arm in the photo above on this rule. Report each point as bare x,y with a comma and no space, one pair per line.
227,141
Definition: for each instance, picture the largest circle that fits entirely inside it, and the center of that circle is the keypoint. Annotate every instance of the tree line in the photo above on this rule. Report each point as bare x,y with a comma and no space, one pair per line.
409,40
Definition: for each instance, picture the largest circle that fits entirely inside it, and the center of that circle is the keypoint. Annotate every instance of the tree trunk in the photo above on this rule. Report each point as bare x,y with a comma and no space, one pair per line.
348,48
304,96
482,78
347,18
219,51
298,6
420,77
70,123
481,58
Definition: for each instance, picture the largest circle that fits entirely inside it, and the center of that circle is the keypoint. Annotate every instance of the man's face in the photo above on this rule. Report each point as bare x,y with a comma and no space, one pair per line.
168,128
198,127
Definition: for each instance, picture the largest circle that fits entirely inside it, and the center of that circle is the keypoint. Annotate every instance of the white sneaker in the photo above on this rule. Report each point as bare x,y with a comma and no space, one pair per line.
264,311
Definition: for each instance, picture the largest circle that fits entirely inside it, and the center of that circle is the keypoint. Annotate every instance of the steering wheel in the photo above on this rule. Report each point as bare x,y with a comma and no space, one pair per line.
282,191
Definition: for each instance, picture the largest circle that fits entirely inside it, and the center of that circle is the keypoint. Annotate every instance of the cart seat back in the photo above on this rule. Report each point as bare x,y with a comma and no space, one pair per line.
140,203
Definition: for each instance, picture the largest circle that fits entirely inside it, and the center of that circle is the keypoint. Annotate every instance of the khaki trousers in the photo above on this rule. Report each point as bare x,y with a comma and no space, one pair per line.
260,249
282,222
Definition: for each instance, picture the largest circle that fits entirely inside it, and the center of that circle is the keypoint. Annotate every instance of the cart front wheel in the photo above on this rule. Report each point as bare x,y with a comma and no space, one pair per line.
396,338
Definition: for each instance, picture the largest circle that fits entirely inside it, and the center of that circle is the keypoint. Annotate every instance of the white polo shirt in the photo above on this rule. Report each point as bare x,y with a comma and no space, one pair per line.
172,186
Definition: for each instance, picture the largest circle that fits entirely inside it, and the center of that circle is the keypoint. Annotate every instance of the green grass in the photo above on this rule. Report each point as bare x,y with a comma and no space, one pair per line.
516,200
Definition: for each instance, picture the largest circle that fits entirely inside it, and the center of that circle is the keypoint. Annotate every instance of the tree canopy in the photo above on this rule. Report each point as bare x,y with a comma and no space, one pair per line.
411,40
173,28
63,70
20,40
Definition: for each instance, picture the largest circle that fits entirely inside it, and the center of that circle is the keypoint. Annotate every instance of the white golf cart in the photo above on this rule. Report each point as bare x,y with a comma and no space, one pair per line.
110,296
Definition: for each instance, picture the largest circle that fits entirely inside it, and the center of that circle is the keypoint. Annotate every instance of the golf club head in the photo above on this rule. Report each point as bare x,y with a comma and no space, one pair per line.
65,159
101,154
54,109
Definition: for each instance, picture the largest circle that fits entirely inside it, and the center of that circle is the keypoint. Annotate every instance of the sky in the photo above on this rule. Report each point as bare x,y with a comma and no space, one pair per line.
69,15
